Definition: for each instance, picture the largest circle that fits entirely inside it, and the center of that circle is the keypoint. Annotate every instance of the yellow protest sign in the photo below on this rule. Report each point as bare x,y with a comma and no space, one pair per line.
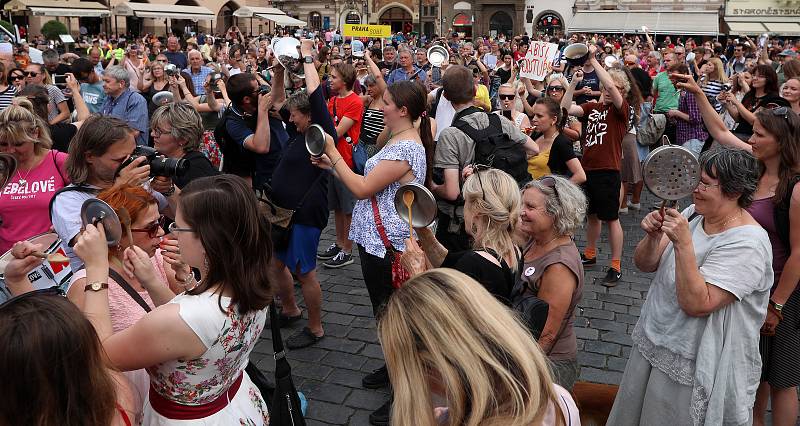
359,30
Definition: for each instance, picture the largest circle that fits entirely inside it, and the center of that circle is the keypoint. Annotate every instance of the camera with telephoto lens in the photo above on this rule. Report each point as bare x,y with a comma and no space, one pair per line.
212,83
159,164
264,89
171,69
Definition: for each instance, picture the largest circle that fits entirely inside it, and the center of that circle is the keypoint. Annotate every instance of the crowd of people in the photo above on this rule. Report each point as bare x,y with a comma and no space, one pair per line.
201,145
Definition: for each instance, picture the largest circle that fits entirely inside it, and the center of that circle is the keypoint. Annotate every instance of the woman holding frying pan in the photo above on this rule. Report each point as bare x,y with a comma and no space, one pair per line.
775,143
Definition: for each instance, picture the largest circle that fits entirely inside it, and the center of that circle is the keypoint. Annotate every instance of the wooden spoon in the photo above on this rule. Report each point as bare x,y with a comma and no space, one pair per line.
408,200
52,257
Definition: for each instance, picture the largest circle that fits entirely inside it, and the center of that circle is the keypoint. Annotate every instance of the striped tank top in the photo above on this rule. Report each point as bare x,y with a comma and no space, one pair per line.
371,125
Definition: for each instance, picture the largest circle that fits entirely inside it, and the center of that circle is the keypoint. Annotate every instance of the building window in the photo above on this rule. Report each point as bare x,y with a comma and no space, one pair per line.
315,20
352,18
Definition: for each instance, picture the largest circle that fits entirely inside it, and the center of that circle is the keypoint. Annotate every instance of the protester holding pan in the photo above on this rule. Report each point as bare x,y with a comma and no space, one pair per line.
694,358
297,254
491,213
776,207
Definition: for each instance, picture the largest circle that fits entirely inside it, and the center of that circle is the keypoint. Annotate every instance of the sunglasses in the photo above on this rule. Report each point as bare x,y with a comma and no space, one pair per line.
16,77
477,168
780,111
174,228
506,97
151,229
51,291
555,89
550,182
31,74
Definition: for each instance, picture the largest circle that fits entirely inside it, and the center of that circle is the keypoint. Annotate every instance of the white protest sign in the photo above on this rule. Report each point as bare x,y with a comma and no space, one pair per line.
538,61
35,55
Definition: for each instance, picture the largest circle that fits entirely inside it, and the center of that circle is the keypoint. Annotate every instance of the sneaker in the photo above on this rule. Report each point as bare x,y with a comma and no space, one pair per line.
382,415
588,262
341,259
377,379
330,253
634,206
612,277
623,210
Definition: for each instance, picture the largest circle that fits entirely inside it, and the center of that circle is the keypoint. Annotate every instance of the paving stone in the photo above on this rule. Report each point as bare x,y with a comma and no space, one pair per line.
602,347
361,311
613,307
595,375
367,400
617,364
364,335
334,318
373,351
592,360
364,322
327,392
344,360
309,354
341,345
337,414
308,370
607,325
339,307
597,313
621,338
586,333
347,378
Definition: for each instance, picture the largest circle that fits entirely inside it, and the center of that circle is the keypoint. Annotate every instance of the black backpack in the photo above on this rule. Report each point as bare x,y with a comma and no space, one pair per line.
494,148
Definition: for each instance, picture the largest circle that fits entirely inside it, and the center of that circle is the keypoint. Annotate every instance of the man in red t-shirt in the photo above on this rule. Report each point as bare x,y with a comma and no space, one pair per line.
606,124
346,108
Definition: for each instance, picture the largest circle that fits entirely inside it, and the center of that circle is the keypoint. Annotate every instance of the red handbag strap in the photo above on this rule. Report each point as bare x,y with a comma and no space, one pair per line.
379,224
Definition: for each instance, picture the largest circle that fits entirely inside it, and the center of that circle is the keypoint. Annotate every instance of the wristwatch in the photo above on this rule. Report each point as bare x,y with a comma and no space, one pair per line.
308,59
95,286
778,307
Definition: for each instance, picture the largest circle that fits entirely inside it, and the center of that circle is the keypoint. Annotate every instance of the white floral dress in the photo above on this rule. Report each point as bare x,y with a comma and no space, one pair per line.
229,337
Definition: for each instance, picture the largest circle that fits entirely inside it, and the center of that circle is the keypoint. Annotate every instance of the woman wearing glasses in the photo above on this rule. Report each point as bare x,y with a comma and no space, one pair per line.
508,108
137,264
491,212
195,345
552,209
16,78
569,124
775,143
695,347
556,154
153,80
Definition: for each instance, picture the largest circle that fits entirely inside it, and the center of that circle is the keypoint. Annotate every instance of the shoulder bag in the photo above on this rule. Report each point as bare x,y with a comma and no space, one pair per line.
399,274
280,218
285,408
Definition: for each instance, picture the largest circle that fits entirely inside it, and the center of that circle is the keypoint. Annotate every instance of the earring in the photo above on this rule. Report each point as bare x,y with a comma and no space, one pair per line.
205,265
474,229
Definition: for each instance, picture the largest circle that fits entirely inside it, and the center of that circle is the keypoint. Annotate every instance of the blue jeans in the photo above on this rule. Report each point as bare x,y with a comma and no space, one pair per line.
694,145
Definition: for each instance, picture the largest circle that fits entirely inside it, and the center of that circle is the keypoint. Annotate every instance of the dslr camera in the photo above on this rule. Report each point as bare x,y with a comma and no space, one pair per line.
171,70
159,164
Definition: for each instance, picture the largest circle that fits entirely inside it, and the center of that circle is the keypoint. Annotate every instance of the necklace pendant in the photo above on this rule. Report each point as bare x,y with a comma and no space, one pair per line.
23,182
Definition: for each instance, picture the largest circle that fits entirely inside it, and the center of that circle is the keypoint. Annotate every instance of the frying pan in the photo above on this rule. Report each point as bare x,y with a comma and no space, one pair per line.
671,172
94,211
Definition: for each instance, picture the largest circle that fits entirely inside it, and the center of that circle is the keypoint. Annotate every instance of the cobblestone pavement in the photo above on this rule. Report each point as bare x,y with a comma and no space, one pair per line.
330,372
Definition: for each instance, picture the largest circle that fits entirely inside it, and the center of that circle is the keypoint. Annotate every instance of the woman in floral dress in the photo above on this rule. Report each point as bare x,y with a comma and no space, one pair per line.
195,347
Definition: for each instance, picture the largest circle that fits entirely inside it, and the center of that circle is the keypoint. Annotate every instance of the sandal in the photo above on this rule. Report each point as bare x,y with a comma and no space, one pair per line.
302,339
285,320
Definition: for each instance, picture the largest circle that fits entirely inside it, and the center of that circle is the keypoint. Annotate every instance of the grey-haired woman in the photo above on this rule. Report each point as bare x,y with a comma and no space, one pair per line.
695,357
552,209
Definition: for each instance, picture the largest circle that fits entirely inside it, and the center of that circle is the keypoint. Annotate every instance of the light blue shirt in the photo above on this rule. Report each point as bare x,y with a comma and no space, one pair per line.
400,74
131,107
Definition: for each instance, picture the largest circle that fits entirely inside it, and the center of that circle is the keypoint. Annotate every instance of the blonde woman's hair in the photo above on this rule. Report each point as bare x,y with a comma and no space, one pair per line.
494,197
18,122
443,326
719,71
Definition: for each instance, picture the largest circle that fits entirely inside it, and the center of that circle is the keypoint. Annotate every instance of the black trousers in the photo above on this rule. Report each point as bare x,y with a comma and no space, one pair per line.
377,272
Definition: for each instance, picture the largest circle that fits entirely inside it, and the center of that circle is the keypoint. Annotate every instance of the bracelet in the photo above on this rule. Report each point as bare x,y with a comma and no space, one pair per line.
333,166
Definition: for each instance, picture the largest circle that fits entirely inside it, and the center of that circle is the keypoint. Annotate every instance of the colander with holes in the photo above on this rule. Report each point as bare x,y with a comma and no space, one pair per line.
671,172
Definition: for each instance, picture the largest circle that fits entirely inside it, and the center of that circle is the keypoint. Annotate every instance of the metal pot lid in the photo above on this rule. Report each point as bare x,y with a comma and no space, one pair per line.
315,140
8,165
671,172
423,209
576,51
162,98
94,211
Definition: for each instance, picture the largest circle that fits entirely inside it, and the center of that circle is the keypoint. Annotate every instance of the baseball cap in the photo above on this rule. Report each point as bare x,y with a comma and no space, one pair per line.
788,52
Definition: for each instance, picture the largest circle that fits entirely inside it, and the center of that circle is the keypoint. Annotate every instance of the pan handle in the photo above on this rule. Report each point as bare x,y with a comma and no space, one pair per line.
665,140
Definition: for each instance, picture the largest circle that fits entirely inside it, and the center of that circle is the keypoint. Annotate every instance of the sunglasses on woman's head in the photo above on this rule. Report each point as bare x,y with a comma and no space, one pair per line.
549,182
50,291
151,229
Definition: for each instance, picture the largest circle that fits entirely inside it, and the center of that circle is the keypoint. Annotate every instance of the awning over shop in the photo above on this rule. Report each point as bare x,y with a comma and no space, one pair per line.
282,20
58,8
163,11
250,11
763,24
667,22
